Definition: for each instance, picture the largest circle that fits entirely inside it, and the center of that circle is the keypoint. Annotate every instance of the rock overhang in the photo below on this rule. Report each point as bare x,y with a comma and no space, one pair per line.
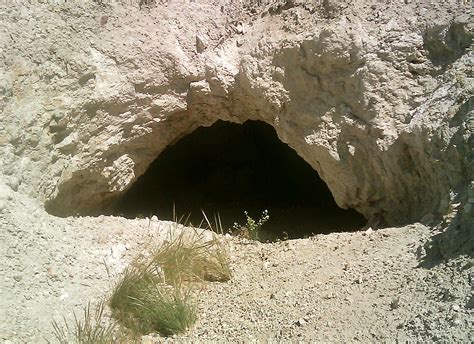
357,102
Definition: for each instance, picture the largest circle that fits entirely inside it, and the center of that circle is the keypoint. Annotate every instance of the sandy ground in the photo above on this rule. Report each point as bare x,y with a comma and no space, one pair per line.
366,286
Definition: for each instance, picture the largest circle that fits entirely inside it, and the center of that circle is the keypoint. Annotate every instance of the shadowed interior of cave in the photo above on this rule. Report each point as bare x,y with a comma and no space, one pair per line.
228,168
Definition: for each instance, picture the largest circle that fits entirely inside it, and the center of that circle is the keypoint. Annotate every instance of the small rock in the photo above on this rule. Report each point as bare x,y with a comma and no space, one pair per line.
201,43
17,278
447,295
240,28
456,320
104,20
301,322
470,302
118,250
395,303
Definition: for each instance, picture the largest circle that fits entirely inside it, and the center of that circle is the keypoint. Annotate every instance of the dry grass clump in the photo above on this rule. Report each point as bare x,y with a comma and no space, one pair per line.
192,258
144,304
155,295
155,292
91,329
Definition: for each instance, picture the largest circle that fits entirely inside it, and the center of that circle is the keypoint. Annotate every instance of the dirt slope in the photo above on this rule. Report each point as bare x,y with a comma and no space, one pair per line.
368,286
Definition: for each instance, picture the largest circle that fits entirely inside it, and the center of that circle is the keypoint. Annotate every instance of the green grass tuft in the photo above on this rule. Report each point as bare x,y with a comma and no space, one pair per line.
144,304
154,293
91,329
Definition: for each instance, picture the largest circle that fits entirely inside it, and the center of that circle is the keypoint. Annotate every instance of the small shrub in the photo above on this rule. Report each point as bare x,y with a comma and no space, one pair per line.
251,229
144,304
91,329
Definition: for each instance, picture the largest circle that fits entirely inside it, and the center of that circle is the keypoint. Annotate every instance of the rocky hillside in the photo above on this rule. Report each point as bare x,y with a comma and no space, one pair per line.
376,97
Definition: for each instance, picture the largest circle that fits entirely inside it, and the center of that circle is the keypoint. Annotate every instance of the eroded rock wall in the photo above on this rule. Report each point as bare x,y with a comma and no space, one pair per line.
376,98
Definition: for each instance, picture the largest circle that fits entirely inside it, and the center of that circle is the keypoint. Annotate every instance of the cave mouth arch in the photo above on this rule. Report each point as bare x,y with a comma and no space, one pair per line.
228,168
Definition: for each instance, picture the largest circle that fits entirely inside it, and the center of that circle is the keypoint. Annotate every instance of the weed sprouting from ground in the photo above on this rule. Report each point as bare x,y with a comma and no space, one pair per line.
90,329
251,229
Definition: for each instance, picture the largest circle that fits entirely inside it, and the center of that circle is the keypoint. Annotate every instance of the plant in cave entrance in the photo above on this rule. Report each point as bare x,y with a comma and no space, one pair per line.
251,229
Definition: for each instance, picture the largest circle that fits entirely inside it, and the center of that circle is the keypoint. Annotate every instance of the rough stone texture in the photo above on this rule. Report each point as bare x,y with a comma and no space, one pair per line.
366,286
376,99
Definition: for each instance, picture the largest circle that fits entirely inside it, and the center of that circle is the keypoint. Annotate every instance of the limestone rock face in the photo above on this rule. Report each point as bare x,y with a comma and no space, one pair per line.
378,100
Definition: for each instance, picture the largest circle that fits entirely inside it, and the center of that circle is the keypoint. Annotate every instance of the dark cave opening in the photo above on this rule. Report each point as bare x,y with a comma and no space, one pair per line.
228,168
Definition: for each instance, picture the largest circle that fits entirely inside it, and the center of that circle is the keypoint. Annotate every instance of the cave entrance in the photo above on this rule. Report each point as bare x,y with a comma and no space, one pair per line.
228,168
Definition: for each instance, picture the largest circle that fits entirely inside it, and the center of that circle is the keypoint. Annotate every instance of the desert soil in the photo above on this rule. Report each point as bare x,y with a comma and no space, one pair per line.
365,286
62,63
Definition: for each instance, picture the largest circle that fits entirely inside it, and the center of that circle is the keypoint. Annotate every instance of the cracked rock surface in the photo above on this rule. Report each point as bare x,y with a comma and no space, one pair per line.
377,98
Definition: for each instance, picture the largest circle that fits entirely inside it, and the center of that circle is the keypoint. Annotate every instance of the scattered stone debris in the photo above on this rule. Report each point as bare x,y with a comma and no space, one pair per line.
376,97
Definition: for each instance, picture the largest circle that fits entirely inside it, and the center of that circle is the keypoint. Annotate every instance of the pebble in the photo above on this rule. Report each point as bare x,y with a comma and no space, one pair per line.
301,322
64,296
456,320
395,303
118,250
